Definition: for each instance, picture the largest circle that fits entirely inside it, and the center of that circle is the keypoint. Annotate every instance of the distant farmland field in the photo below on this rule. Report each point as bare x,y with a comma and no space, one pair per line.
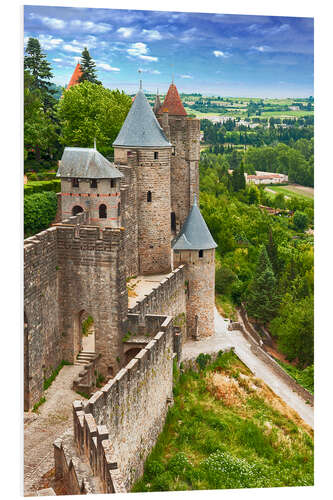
295,190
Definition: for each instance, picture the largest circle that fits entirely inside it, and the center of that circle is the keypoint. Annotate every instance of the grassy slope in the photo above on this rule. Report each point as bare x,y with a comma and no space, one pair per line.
292,191
228,430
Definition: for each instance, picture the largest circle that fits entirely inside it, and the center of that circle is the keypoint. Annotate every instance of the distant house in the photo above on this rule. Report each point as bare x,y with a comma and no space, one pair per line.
266,178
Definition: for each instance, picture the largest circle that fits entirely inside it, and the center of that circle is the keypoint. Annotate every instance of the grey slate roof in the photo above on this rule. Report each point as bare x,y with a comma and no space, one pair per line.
194,235
86,163
141,128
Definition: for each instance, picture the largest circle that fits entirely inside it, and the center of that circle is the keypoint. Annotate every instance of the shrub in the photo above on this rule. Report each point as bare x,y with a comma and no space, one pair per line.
224,277
39,211
202,360
41,186
300,220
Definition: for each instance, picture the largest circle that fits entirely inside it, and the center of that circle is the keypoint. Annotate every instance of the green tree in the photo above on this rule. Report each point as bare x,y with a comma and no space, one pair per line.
294,329
272,251
300,220
89,110
39,129
262,300
36,64
224,278
88,68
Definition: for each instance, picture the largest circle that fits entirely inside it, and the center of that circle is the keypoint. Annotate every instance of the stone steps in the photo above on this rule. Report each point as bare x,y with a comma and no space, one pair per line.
84,358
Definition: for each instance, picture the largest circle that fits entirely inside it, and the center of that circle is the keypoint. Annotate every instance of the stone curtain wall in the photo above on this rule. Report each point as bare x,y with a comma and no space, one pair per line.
92,276
128,412
42,335
69,268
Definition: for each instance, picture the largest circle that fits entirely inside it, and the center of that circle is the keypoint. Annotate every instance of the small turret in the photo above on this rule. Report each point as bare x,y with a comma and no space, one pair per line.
194,246
157,103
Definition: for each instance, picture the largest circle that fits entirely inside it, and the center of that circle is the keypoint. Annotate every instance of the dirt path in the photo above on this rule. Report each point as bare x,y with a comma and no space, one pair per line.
41,430
224,339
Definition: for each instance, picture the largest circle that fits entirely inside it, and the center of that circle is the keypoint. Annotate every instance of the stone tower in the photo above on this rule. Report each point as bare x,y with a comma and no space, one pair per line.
184,134
90,182
195,247
142,143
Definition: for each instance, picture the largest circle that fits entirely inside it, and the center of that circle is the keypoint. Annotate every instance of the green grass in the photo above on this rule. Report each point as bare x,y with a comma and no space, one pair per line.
37,405
290,192
226,306
217,438
305,377
48,381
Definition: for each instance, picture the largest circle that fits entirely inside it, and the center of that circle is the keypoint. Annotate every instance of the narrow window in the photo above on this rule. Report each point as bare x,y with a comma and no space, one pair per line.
149,196
155,155
173,151
119,209
173,221
102,211
113,183
76,210
75,183
200,253
93,183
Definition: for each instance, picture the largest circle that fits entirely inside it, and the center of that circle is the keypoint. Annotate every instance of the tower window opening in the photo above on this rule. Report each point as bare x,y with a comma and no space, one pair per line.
149,196
119,209
113,183
155,155
75,183
173,151
77,209
102,211
201,253
93,183
173,221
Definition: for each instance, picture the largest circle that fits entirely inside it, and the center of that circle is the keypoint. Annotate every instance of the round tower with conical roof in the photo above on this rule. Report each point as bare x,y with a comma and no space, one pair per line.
195,248
142,139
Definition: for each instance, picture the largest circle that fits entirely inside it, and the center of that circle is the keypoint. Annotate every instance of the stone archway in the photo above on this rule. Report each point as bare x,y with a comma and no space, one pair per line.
131,353
84,333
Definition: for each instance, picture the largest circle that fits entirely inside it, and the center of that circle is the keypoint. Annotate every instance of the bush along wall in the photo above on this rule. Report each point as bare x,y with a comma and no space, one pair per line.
39,211
41,186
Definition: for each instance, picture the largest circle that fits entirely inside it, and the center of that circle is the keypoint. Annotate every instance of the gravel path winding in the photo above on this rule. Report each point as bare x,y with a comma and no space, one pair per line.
225,339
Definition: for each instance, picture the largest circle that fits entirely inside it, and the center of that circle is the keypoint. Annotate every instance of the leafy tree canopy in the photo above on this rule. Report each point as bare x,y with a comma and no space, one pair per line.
89,110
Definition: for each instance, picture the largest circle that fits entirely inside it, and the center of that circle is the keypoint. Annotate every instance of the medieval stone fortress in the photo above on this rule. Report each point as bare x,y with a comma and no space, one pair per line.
134,222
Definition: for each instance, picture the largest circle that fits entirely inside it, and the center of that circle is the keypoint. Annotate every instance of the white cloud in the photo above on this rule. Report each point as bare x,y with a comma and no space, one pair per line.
91,27
57,60
151,71
125,32
219,53
50,22
141,50
186,76
188,35
48,42
151,34
106,67
71,48
262,48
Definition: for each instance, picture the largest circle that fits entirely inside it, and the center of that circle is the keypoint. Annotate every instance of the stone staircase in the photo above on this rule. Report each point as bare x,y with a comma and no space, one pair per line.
84,358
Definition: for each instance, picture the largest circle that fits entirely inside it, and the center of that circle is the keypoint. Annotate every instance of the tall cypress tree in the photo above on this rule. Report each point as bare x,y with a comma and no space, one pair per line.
88,68
38,66
272,252
262,298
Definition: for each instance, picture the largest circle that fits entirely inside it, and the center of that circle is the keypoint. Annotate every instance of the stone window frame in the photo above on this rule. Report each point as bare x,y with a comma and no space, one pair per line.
155,155
201,254
102,211
149,197
113,183
93,183
75,182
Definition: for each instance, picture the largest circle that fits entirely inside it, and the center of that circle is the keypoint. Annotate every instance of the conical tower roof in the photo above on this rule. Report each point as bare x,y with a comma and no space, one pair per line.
173,103
75,76
194,234
141,128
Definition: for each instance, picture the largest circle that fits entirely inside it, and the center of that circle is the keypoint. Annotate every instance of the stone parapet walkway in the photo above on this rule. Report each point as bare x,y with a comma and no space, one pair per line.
42,429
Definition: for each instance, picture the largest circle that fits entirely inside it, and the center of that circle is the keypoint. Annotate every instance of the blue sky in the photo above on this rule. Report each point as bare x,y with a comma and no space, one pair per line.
214,54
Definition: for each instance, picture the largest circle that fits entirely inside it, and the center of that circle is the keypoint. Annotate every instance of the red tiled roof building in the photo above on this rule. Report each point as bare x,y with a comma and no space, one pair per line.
75,77
172,103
